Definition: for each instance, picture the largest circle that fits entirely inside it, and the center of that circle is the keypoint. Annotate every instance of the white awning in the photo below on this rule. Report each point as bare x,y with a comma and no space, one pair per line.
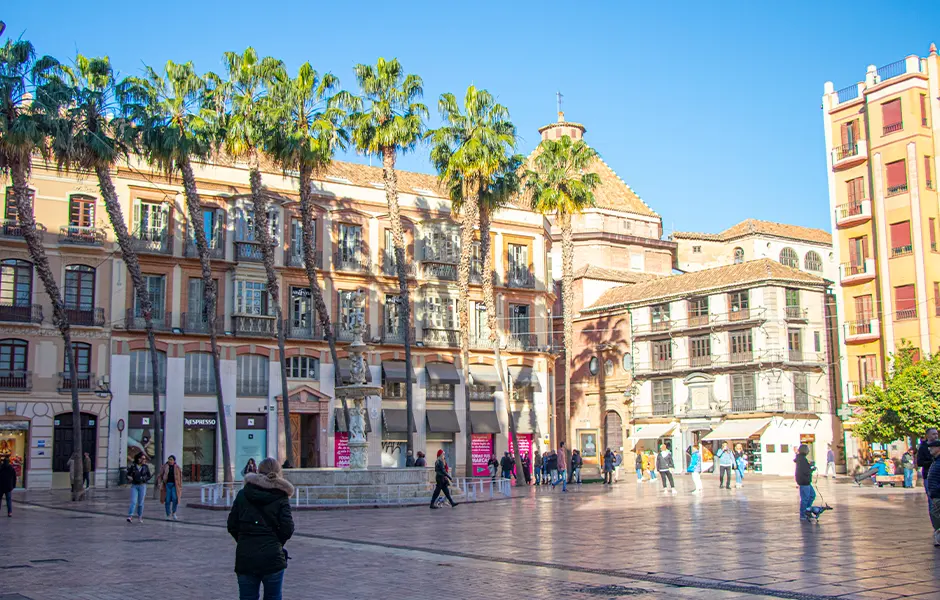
737,429
653,431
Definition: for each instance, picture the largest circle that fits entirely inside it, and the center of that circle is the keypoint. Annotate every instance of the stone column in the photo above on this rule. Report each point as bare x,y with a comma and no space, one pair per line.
229,373
175,406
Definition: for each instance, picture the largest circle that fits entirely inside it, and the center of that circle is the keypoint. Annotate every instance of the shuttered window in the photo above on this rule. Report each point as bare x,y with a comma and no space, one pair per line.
923,109
81,211
905,303
928,172
901,234
896,175
856,189
863,308
891,115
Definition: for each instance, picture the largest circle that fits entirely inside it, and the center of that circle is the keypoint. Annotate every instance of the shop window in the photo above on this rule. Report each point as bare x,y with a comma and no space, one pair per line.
141,372
483,393
303,367
13,448
395,390
199,374
522,395
198,462
252,377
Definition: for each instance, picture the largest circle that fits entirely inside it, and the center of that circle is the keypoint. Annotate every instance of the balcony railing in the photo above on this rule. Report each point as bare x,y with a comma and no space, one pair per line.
847,93
894,190
82,236
698,320
16,380
863,330
215,252
853,213
795,356
303,332
701,361
134,320
661,325
248,252
520,279
443,271
844,151
895,69
905,313
344,333
199,324
152,242
522,342
85,382
357,262
481,341
254,325
857,272
854,389
296,259
794,313
388,267
85,317
395,335
11,228
21,313
741,357
741,314
929,183
901,250
891,128
434,336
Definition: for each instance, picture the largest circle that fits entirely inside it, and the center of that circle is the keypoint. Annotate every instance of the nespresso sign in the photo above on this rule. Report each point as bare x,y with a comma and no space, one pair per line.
203,423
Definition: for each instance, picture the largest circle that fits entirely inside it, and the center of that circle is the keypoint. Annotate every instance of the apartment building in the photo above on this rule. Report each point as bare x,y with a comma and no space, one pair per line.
734,353
881,148
354,257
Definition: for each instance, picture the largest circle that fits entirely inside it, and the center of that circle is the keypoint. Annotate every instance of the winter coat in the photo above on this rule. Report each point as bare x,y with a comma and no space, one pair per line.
907,461
7,478
933,481
538,460
410,461
492,466
577,461
177,479
505,463
725,458
609,461
695,464
86,464
420,462
664,461
261,523
551,463
440,472
804,470
138,474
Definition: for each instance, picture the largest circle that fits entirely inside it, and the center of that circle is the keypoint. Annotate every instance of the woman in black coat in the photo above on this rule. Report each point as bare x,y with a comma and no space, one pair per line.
442,480
261,523
7,483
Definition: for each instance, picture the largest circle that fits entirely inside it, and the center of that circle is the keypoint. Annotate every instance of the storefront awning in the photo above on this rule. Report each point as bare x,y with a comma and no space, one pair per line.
526,421
652,431
442,373
344,370
339,418
737,429
395,420
395,371
484,421
442,421
524,376
485,375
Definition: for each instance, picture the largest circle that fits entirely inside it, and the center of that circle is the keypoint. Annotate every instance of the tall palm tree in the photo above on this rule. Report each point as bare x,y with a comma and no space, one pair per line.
560,182
308,131
89,137
392,121
168,112
26,109
244,123
468,150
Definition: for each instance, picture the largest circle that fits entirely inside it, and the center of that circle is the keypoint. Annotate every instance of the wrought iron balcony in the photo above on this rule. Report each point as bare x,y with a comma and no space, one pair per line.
356,261
20,313
134,320
857,272
12,228
85,382
481,340
442,271
395,335
152,242
16,380
85,317
216,252
853,213
199,324
344,333
794,313
248,252
905,313
295,258
520,279
522,342
435,336
894,190
388,267
81,236
739,314
254,325
303,332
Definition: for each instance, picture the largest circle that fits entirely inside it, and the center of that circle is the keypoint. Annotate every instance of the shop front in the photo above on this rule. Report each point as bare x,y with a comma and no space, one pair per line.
14,446
199,447
140,438
744,432
395,437
251,441
442,427
484,425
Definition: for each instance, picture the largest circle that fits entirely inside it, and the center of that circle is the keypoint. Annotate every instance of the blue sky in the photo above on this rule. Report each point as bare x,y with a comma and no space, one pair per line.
709,110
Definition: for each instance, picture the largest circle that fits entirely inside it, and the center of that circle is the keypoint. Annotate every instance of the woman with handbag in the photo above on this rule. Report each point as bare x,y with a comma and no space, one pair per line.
171,484
261,523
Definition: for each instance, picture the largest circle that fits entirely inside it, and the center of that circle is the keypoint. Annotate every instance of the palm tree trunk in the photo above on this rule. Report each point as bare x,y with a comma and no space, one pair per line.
113,206
404,314
567,302
34,245
489,299
470,218
194,207
263,234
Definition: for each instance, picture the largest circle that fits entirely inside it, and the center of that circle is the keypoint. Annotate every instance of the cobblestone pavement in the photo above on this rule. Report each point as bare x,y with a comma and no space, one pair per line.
597,542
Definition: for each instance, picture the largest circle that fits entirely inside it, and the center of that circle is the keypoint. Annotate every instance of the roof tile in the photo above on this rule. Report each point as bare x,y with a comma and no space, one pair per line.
758,227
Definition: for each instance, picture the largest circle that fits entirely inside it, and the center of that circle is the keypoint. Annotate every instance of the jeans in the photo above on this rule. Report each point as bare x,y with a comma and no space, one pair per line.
249,586
561,477
908,478
138,491
807,496
172,498
652,475
934,507
724,471
9,496
507,474
639,474
739,477
86,480
664,475
576,477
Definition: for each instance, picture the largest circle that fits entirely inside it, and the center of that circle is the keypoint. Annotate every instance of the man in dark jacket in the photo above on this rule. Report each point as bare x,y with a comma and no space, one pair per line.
7,483
261,523
410,460
506,464
924,458
933,489
804,479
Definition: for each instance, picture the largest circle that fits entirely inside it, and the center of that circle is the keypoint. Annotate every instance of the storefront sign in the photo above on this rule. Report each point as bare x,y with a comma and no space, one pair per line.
481,447
41,443
525,445
199,423
341,449
300,292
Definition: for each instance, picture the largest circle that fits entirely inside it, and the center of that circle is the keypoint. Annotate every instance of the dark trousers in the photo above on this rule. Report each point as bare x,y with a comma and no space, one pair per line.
9,496
249,586
442,487
86,479
724,471
662,477
608,476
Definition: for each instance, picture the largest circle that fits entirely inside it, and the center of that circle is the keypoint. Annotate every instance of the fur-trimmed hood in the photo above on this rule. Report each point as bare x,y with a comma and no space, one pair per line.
270,481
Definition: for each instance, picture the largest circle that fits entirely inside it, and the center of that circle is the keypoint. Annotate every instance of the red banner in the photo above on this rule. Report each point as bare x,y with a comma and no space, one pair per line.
341,450
481,448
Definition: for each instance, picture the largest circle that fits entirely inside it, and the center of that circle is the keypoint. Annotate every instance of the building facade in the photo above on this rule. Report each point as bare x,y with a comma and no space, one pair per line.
737,353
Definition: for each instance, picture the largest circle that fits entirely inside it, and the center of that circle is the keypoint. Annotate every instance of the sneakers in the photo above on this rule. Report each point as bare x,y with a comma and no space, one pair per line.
434,507
673,491
130,520
140,519
936,538
174,517
167,518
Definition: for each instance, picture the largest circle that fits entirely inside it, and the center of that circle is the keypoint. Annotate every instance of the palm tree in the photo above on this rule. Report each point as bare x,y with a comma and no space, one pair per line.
26,111
173,131
468,151
307,132
243,125
560,183
88,137
391,122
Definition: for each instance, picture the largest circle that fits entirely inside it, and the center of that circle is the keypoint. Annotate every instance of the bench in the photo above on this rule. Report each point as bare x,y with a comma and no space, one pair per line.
881,480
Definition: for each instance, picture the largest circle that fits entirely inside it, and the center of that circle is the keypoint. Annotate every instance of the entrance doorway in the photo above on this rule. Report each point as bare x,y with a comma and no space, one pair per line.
309,451
62,440
613,431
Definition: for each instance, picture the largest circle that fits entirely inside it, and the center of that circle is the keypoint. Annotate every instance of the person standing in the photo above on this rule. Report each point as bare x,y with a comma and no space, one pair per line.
410,459
740,465
695,468
804,479
442,480
526,468
725,462
907,463
562,467
250,467
830,462
551,467
492,467
421,461
171,484
608,467
7,483
933,489
86,470
538,467
924,456
505,464
665,465
638,464
261,523
138,474
577,461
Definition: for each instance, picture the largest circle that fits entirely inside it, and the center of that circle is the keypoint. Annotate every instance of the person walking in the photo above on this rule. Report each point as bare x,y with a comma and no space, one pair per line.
665,465
138,474
740,465
261,523
608,467
577,461
638,464
410,459
526,468
907,463
562,467
804,479
505,464
695,468
492,466
442,480
250,467
171,486
924,456
830,462
421,461
86,470
7,483
551,468
725,463
538,467
933,489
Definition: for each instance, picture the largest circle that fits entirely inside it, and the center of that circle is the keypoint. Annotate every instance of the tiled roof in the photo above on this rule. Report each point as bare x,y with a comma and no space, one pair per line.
664,288
607,274
757,227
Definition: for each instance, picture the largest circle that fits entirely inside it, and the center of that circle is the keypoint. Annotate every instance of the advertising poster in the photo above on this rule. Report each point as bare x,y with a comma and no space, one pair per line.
341,449
525,445
481,447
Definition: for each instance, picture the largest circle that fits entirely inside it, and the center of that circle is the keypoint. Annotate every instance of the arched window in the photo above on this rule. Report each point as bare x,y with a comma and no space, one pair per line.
199,374
627,362
789,258
738,256
812,261
594,365
252,377
142,372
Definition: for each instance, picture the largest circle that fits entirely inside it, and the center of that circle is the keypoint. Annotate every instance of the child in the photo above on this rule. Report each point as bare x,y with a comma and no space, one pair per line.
804,479
695,468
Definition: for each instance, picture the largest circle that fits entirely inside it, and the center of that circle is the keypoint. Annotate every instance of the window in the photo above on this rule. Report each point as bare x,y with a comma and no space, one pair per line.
891,116
152,220
662,397
789,258
301,308
812,261
867,369
81,211
817,342
662,354
901,239
696,249
442,244
12,358
928,172
793,310
593,365
932,232
441,312
700,350
659,314
349,243
251,297
905,304
742,393
396,389
849,135
213,225
477,392
627,362
522,395
698,311
9,212
303,367
896,177
349,310
741,345
142,372
245,226
800,392
200,374
855,190
519,320
518,263
79,287
297,241
858,253
388,254
738,256
252,375
16,283
795,345
440,392
923,109
739,305
155,286
82,353
863,308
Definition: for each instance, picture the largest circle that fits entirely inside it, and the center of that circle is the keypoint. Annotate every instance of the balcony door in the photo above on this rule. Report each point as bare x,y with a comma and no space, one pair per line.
79,287
81,211
441,312
350,242
12,359
518,263
152,220
301,308
155,286
16,283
